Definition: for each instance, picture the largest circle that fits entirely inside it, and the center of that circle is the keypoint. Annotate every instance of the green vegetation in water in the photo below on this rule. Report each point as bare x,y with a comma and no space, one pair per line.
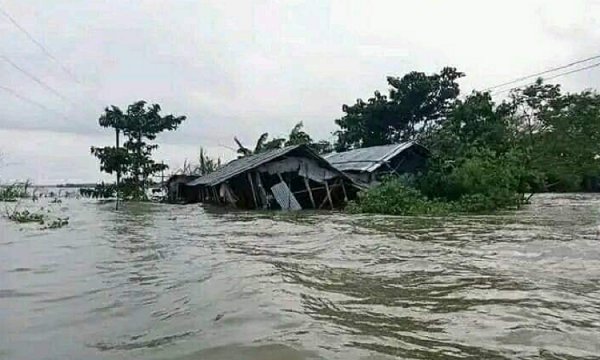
394,196
481,182
484,156
100,191
57,224
24,216
28,217
14,192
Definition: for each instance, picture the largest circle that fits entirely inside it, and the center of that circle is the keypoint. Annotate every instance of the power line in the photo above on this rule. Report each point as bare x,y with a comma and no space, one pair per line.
40,46
34,78
574,71
551,78
543,73
29,101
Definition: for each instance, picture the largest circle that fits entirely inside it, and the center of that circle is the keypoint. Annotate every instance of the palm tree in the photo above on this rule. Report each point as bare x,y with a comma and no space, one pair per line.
262,145
242,150
205,165
297,137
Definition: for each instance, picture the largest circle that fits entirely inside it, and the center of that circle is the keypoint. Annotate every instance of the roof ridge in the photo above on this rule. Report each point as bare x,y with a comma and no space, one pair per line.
244,163
367,158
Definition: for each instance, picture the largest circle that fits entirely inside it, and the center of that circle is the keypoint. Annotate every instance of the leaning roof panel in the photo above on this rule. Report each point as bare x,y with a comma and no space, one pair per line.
366,159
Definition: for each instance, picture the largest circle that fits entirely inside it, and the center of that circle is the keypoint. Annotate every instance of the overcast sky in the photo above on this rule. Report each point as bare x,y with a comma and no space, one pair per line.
246,67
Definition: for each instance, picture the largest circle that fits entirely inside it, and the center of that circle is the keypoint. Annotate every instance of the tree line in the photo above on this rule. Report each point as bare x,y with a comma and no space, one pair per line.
554,134
484,154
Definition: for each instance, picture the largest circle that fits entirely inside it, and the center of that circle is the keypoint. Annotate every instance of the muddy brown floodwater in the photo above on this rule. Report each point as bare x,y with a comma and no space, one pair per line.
186,282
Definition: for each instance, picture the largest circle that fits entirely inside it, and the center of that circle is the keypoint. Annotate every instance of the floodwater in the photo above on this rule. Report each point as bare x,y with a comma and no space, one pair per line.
185,282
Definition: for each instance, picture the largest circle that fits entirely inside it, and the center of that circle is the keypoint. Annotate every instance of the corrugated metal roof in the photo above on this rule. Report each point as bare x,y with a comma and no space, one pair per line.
239,166
367,159
284,197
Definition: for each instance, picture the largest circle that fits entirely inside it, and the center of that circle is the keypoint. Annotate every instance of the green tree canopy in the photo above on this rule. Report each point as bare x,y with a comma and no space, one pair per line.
565,142
415,102
475,122
140,124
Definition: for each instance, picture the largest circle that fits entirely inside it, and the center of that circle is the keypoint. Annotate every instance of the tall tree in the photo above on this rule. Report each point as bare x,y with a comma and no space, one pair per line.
415,103
566,142
475,122
551,137
140,124
532,105
529,109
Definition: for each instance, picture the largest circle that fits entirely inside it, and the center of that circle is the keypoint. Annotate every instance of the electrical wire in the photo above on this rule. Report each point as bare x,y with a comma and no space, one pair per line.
550,78
40,46
34,78
29,101
542,73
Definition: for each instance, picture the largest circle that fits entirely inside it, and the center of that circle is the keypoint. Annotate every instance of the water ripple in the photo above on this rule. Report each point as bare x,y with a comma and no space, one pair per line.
159,281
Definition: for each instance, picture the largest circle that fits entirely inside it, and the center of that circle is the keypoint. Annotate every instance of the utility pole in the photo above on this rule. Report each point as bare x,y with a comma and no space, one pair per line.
118,169
140,177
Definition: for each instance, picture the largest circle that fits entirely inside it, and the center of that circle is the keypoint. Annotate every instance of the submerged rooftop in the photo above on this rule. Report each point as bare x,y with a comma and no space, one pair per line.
367,159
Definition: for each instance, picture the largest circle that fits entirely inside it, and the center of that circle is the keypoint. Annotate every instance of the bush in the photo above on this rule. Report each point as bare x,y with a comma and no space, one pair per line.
25,217
101,191
58,223
394,197
481,182
13,192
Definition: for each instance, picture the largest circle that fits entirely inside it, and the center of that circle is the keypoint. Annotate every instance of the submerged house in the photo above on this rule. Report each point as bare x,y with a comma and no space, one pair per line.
366,166
175,187
293,177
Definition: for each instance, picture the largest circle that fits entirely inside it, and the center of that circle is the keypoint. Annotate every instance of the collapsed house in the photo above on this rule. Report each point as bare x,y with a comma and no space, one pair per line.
175,187
367,166
293,178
